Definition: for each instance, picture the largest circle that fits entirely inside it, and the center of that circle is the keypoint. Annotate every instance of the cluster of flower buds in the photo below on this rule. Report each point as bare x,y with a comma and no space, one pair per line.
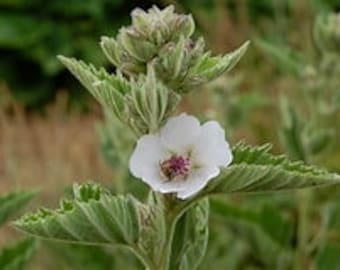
156,61
327,32
164,39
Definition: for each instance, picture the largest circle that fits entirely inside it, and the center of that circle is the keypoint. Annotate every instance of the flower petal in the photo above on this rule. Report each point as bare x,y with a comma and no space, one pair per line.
144,162
197,180
192,184
211,148
180,132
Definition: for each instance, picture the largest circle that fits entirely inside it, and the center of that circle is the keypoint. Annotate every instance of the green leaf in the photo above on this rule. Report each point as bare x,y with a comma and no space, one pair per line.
329,257
13,202
254,169
252,226
93,216
108,89
20,31
151,102
16,257
286,59
82,257
209,68
153,229
291,131
191,238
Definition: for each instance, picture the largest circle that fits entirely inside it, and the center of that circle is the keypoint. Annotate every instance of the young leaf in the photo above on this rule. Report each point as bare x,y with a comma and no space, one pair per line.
209,68
12,202
254,169
93,217
153,228
16,257
108,89
191,238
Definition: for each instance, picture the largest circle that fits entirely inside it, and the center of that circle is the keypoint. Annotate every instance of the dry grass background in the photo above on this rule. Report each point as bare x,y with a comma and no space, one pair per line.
46,152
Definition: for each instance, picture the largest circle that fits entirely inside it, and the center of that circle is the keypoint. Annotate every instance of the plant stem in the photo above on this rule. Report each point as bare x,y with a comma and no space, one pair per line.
148,264
165,259
304,201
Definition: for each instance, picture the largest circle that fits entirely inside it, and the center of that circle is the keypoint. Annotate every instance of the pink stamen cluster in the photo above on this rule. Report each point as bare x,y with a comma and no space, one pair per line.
175,166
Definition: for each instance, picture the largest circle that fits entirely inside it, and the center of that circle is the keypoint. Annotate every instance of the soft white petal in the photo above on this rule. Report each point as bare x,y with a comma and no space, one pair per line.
211,148
197,180
180,132
194,182
145,160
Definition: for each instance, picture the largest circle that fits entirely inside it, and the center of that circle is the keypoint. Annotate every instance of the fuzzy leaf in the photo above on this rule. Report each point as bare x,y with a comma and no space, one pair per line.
16,257
191,238
111,49
150,102
108,89
93,217
254,169
153,229
211,67
12,202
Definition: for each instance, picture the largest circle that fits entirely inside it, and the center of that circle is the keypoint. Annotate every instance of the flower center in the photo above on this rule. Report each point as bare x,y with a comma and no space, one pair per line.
175,166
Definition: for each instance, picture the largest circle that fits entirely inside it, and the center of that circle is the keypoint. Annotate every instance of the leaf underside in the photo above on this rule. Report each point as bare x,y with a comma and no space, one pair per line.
93,217
254,169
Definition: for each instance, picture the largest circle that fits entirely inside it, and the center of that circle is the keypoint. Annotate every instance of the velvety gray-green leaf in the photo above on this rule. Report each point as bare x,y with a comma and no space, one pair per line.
191,238
93,216
254,169
108,89
209,68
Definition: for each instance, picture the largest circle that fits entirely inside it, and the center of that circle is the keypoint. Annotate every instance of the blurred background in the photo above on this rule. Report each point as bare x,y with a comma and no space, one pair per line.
285,90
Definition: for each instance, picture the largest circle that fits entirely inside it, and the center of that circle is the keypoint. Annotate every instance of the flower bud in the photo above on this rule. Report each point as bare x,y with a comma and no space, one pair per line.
149,103
163,38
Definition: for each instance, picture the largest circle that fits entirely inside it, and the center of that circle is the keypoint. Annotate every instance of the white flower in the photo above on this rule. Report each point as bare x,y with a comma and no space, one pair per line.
182,157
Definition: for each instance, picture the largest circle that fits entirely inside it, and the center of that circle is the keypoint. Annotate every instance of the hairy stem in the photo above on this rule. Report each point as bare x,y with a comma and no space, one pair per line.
304,201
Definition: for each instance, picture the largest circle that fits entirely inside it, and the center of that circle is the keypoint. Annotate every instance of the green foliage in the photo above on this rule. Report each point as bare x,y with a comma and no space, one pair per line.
17,256
329,257
255,169
157,61
142,104
93,216
191,238
179,61
13,202
30,39
268,239
83,257
290,131
285,58
149,56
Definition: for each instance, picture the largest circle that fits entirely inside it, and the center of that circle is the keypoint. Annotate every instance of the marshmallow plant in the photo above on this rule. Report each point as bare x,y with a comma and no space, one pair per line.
182,161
